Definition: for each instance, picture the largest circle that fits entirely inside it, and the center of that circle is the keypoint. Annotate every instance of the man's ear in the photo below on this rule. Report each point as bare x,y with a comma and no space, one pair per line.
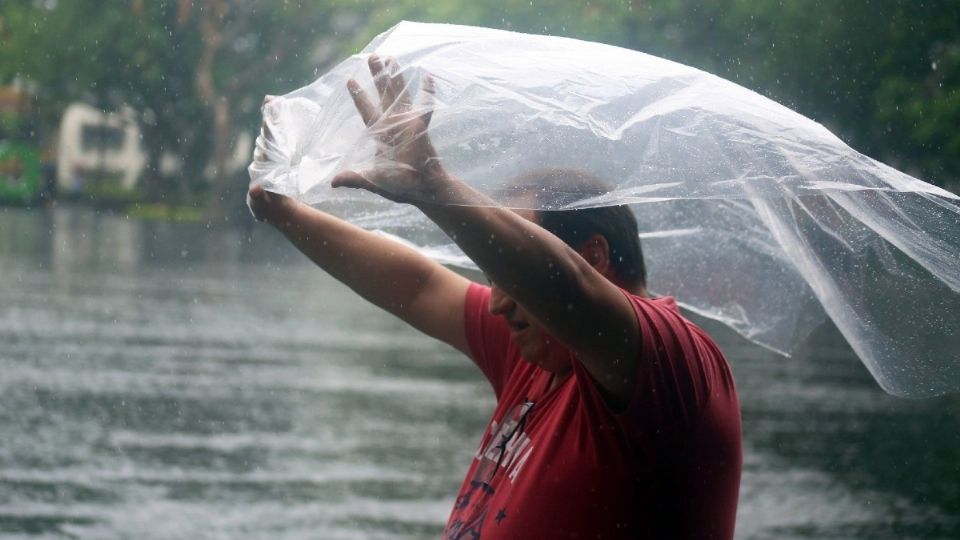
596,251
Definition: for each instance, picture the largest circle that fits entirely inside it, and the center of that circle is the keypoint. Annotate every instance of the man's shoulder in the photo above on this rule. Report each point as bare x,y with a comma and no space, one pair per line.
660,314
674,343
667,310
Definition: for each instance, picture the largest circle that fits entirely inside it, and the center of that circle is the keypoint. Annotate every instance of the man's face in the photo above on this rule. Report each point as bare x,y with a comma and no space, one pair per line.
535,344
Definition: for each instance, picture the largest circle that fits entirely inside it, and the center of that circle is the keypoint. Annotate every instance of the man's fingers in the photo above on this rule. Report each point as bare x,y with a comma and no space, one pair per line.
368,111
380,78
393,90
388,80
397,86
268,206
259,201
353,179
264,128
425,97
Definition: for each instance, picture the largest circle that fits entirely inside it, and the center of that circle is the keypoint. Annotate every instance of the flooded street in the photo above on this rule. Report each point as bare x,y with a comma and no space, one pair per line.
162,380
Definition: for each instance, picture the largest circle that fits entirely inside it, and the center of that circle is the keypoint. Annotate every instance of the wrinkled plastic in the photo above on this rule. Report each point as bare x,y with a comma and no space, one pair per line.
750,213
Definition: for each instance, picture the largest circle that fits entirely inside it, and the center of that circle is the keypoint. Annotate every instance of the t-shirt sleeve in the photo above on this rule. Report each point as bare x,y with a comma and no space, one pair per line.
684,416
685,395
488,337
680,370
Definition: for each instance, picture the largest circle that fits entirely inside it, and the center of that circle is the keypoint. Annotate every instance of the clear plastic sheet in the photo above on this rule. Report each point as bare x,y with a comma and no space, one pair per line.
750,213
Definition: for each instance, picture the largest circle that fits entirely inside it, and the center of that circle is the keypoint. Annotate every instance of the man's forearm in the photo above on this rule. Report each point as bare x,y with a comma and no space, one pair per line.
575,303
386,273
528,263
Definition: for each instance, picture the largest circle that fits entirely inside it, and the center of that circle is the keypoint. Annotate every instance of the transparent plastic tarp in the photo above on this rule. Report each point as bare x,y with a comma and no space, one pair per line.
750,213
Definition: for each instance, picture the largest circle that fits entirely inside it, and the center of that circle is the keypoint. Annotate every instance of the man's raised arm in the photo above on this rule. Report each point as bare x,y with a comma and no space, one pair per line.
392,276
563,290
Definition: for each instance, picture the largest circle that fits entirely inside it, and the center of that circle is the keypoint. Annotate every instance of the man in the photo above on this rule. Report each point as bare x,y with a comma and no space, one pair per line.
615,418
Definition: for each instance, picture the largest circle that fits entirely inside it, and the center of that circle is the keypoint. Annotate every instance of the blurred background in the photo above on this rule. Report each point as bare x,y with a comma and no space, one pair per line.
169,370
138,103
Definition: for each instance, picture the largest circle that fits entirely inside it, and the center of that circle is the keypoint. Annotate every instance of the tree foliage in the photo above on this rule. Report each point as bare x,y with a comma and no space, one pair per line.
882,74
195,70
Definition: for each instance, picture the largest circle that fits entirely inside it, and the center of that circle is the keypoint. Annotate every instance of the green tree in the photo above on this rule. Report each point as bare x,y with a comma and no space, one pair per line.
195,70
884,75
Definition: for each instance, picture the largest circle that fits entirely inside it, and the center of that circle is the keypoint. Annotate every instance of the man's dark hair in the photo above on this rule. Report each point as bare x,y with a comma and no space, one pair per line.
616,224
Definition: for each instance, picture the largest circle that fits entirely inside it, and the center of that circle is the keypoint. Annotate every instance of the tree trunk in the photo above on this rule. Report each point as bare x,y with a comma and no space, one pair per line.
153,190
211,30
221,150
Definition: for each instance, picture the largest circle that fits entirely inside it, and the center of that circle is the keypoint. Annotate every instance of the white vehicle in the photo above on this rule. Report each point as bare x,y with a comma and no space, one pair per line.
106,148
94,145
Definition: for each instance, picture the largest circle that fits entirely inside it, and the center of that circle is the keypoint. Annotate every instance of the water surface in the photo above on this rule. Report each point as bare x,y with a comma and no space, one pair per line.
163,380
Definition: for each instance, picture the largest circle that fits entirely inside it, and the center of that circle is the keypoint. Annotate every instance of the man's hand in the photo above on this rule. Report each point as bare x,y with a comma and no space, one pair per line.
406,165
533,267
271,208
387,273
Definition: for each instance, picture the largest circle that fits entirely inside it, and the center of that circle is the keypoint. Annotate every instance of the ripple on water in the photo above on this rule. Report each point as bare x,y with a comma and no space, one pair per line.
146,394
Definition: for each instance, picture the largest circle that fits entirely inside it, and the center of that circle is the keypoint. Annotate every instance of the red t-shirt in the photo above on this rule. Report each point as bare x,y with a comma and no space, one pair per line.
562,464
